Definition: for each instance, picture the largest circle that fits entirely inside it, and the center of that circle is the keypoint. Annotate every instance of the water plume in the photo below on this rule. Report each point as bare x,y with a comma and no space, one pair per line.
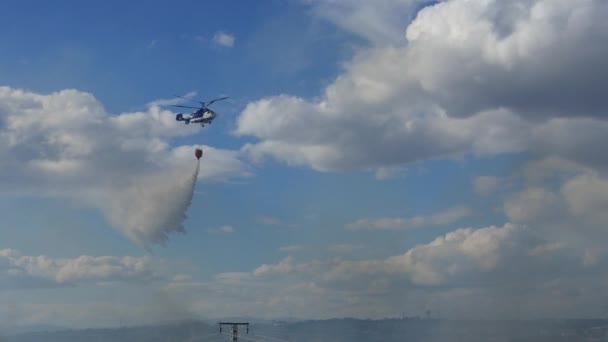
152,207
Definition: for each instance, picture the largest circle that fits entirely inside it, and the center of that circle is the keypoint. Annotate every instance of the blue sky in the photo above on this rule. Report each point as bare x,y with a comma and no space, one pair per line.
128,55
370,158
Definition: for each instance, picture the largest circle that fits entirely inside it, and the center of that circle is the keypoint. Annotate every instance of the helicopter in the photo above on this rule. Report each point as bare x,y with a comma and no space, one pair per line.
202,115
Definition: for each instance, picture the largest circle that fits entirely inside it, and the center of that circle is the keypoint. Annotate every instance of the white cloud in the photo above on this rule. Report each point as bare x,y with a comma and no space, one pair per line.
379,22
461,82
216,164
472,256
66,145
486,185
225,229
344,248
46,271
586,197
521,273
447,260
576,140
564,200
291,248
273,221
182,278
586,194
388,172
447,216
284,266
269,220
537,171
455,254
481,77
224,39
546,249
532,204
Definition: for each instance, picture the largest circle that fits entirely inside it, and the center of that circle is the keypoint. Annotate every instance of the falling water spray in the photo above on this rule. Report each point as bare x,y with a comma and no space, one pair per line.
153,207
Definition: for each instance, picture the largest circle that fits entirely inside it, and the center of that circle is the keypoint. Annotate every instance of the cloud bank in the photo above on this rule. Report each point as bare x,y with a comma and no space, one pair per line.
492,272
481,77
43,271
443,79
66,145
437,219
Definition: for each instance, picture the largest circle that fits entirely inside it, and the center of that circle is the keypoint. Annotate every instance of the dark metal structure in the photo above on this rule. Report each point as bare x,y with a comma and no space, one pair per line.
234,327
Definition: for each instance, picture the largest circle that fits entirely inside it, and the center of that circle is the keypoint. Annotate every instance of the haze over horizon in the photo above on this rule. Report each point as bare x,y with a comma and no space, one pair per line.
374,159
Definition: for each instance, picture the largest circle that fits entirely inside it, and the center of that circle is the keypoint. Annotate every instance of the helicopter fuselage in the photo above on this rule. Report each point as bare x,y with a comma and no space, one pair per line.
201,116
206,115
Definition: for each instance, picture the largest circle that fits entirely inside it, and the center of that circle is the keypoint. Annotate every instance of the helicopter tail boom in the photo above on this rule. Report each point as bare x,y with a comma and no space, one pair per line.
180,117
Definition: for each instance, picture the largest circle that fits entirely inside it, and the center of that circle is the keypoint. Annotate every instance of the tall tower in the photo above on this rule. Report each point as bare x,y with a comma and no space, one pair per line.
234,327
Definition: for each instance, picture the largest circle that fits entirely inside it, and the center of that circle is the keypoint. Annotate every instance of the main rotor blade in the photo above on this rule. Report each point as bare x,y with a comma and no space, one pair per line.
214,100
184,106
185,98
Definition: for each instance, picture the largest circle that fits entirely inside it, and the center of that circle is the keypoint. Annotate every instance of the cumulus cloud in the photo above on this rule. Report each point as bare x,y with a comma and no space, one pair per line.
532,204
272,221
447,216
486,185
463,257
481,77
545,48
269,220
582,191
284,266
379,22
562,199
224,39
587,195
390,172
291,248
216,164
64,144
42,270
225,229
344,248
515,268
448,260
548,168
462,251
485,77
